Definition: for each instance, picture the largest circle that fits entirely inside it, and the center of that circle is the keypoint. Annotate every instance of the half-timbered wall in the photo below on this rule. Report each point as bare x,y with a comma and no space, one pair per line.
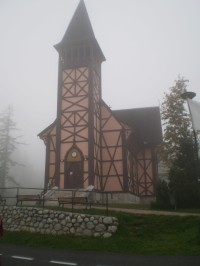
49,138
145,174
112,153
141,172
97,124
141,165
74,115
52,156
108,149
132,173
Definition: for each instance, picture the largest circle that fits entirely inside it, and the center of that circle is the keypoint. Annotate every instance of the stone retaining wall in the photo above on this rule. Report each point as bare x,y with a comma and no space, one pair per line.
46,221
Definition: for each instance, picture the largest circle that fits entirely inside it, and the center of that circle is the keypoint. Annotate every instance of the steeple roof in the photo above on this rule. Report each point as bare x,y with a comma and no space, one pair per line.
80,28
79,31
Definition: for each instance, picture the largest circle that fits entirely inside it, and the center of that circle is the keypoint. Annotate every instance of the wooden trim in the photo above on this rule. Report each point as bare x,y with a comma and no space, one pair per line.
47,161
90,129
124,158
154,167
58,128
143,179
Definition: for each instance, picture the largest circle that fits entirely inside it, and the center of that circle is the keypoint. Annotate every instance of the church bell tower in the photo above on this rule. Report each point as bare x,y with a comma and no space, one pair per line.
78,126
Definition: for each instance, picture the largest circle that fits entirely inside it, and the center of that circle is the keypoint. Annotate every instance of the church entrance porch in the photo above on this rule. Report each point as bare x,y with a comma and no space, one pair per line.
73,172
73,175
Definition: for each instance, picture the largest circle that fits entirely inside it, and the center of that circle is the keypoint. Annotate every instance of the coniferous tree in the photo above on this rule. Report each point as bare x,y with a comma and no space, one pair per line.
183,176
8,144
176,122
178,149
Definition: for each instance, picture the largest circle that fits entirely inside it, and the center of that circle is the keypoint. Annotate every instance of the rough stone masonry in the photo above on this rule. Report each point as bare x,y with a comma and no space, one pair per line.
46,221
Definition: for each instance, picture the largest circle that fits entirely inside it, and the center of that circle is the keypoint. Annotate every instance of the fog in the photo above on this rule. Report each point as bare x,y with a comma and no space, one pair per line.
147,44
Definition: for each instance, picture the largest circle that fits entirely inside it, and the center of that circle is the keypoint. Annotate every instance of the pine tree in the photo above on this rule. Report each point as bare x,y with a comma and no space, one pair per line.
8,144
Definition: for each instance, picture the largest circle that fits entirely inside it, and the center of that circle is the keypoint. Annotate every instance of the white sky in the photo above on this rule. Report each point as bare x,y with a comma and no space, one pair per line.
147,44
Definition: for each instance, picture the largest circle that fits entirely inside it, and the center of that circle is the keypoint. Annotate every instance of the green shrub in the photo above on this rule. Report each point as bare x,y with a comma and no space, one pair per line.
163,198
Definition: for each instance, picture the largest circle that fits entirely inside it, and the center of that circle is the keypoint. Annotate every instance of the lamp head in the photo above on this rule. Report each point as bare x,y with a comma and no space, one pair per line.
188,95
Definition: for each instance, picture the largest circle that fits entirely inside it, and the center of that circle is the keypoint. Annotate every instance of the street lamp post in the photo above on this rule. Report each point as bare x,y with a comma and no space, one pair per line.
190,95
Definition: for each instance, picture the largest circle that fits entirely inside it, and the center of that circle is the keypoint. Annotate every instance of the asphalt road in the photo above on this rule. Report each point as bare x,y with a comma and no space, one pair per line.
23,256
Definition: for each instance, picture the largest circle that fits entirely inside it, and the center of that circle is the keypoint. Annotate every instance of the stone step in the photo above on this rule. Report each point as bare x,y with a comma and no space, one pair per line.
51,196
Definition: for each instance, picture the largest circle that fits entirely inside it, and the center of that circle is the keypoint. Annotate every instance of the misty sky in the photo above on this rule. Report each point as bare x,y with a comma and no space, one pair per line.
147,44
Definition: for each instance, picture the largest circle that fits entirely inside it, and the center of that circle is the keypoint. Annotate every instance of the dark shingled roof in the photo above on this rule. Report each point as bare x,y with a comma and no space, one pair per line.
80,27
80,31
145,122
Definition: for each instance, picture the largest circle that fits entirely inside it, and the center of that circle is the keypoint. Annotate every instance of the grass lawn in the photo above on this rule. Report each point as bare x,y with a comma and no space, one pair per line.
137,234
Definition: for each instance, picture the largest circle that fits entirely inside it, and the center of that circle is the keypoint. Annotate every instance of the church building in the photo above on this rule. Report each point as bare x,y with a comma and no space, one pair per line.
88,143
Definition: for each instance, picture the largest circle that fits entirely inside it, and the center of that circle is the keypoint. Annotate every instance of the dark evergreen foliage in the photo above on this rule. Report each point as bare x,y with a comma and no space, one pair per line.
176,122
178,152
183,177
163,195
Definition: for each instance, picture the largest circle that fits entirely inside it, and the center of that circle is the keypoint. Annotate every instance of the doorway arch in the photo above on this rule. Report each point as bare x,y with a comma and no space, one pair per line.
73,169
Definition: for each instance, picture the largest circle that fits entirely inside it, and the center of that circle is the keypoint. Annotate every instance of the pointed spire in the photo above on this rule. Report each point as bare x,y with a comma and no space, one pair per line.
80,28
79,31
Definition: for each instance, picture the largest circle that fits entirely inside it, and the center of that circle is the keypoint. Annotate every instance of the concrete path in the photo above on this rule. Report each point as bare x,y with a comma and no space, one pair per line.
153,212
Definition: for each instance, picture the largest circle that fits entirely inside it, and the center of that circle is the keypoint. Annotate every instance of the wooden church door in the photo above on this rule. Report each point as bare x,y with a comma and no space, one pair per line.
73,170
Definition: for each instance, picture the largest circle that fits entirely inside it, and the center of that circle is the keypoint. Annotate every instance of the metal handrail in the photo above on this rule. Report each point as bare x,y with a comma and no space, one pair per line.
14,191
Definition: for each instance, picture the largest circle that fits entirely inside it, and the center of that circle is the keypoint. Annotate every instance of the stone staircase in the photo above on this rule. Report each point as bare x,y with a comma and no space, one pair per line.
52,195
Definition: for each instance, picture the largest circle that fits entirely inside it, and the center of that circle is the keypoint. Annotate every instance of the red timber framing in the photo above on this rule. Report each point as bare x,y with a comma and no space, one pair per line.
96,128
73,118
145,172
78,119
142,172
49,137
142,138
114,174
